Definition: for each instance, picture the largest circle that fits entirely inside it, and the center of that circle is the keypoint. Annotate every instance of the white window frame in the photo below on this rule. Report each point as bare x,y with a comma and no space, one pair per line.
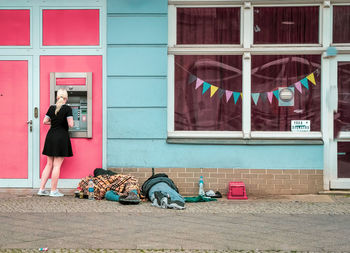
246,49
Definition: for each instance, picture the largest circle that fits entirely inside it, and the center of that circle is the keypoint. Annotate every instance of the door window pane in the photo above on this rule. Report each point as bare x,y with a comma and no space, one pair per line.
342,117
208,25
341,21
286,25
301,75
343,160
208,92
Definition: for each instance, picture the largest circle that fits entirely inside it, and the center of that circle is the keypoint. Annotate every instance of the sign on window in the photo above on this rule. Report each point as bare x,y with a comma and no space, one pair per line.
300,125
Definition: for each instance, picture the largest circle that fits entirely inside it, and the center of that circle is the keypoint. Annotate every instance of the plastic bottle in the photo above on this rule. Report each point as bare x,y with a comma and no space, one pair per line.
91,189
201,186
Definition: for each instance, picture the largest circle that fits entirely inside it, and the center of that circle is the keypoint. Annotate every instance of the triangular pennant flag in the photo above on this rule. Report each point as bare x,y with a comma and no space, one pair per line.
213,89
269,96
236,96
276,93
255,97
228,95
298,86
221,92
305,82
206,86
263,96
199,82
191,78
311,78
241,95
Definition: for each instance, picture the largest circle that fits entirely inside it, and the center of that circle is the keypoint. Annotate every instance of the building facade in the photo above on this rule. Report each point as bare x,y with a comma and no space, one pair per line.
252,91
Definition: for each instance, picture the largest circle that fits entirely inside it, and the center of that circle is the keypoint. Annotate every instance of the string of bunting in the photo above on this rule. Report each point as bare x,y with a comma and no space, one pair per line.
256,95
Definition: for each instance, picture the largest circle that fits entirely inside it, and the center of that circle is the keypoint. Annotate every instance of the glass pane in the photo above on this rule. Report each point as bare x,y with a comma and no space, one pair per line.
286,25
208,25
343,159
271,108
342,117
208,92
341,16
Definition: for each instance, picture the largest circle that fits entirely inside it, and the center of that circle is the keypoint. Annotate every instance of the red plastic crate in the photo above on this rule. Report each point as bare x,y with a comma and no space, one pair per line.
236,190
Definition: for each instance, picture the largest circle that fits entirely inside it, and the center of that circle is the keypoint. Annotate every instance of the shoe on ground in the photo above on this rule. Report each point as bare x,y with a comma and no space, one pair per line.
43,193
161,198
56,194
176,204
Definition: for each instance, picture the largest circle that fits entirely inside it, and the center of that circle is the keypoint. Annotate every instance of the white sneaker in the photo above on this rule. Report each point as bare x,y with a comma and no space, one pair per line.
43,193
56,194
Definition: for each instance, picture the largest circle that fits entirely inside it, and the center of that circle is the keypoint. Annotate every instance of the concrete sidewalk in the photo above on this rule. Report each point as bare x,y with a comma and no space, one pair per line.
314,223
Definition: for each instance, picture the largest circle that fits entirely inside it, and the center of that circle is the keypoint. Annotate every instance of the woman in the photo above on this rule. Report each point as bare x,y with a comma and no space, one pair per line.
57,143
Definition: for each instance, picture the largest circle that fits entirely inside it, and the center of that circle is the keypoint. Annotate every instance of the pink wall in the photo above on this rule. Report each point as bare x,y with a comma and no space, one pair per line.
14,115
15,27
87,152
71,28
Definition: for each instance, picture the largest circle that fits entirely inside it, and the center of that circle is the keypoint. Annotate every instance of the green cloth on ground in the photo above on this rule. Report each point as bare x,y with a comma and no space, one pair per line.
199,198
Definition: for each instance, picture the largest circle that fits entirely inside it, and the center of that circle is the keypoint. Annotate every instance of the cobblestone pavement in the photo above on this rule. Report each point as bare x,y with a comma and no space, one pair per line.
292,204
299,223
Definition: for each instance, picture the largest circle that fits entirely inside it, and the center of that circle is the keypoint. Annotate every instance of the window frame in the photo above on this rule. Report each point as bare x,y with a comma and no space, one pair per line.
246,49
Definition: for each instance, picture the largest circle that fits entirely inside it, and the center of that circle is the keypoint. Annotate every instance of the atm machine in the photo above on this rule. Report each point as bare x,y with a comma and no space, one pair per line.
79,88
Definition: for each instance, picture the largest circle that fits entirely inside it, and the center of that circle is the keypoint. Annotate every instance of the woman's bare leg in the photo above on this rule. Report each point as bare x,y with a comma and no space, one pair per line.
46,172
57,162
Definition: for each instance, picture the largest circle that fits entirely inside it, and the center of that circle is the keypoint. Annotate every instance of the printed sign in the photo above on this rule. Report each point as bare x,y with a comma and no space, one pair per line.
300,125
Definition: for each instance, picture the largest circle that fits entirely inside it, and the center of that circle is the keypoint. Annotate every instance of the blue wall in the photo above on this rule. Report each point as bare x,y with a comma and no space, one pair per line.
137,35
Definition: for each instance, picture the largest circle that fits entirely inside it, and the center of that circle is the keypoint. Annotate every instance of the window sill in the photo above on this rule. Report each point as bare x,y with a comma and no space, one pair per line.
228,141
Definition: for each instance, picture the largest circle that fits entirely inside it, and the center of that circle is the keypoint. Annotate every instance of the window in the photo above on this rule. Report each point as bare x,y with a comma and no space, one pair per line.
253,79
270,74
341,16
208,25
286,25
208,92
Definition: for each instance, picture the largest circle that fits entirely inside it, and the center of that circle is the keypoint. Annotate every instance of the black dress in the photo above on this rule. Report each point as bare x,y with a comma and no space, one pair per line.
57,142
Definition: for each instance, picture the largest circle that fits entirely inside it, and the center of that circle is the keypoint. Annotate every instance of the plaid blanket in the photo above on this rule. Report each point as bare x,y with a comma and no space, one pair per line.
120,184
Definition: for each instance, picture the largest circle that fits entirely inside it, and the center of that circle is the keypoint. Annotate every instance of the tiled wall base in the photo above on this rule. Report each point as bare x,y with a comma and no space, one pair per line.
257,182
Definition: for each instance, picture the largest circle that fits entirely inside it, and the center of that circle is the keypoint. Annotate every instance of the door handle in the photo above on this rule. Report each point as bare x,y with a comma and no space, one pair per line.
30,123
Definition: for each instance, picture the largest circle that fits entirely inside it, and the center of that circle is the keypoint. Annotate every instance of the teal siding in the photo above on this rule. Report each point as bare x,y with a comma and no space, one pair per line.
137,30
137,92
137,6
134,123
156,153
137,103
137,61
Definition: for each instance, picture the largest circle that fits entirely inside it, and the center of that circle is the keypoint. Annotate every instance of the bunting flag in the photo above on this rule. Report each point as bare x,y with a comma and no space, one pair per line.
311,78
199,82
305,83
191,79
206,86
236,96
269,96
213,89
298,86
228,95
255,96
221,92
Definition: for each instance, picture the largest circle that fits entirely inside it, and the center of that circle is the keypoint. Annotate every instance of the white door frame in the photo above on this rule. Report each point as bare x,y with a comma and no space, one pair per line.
32,135
335,182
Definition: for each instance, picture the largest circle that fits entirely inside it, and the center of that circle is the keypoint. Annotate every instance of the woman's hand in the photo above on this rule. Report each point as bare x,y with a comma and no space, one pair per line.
70,122
47,120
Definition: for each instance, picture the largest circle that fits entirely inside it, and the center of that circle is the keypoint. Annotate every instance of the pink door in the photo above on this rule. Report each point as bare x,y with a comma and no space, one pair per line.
14,128
87,152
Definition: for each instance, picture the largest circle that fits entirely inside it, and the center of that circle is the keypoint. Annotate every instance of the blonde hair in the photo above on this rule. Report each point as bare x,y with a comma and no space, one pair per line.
62,97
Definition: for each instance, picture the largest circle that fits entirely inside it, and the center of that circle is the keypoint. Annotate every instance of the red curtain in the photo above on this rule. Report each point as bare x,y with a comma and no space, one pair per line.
286,25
